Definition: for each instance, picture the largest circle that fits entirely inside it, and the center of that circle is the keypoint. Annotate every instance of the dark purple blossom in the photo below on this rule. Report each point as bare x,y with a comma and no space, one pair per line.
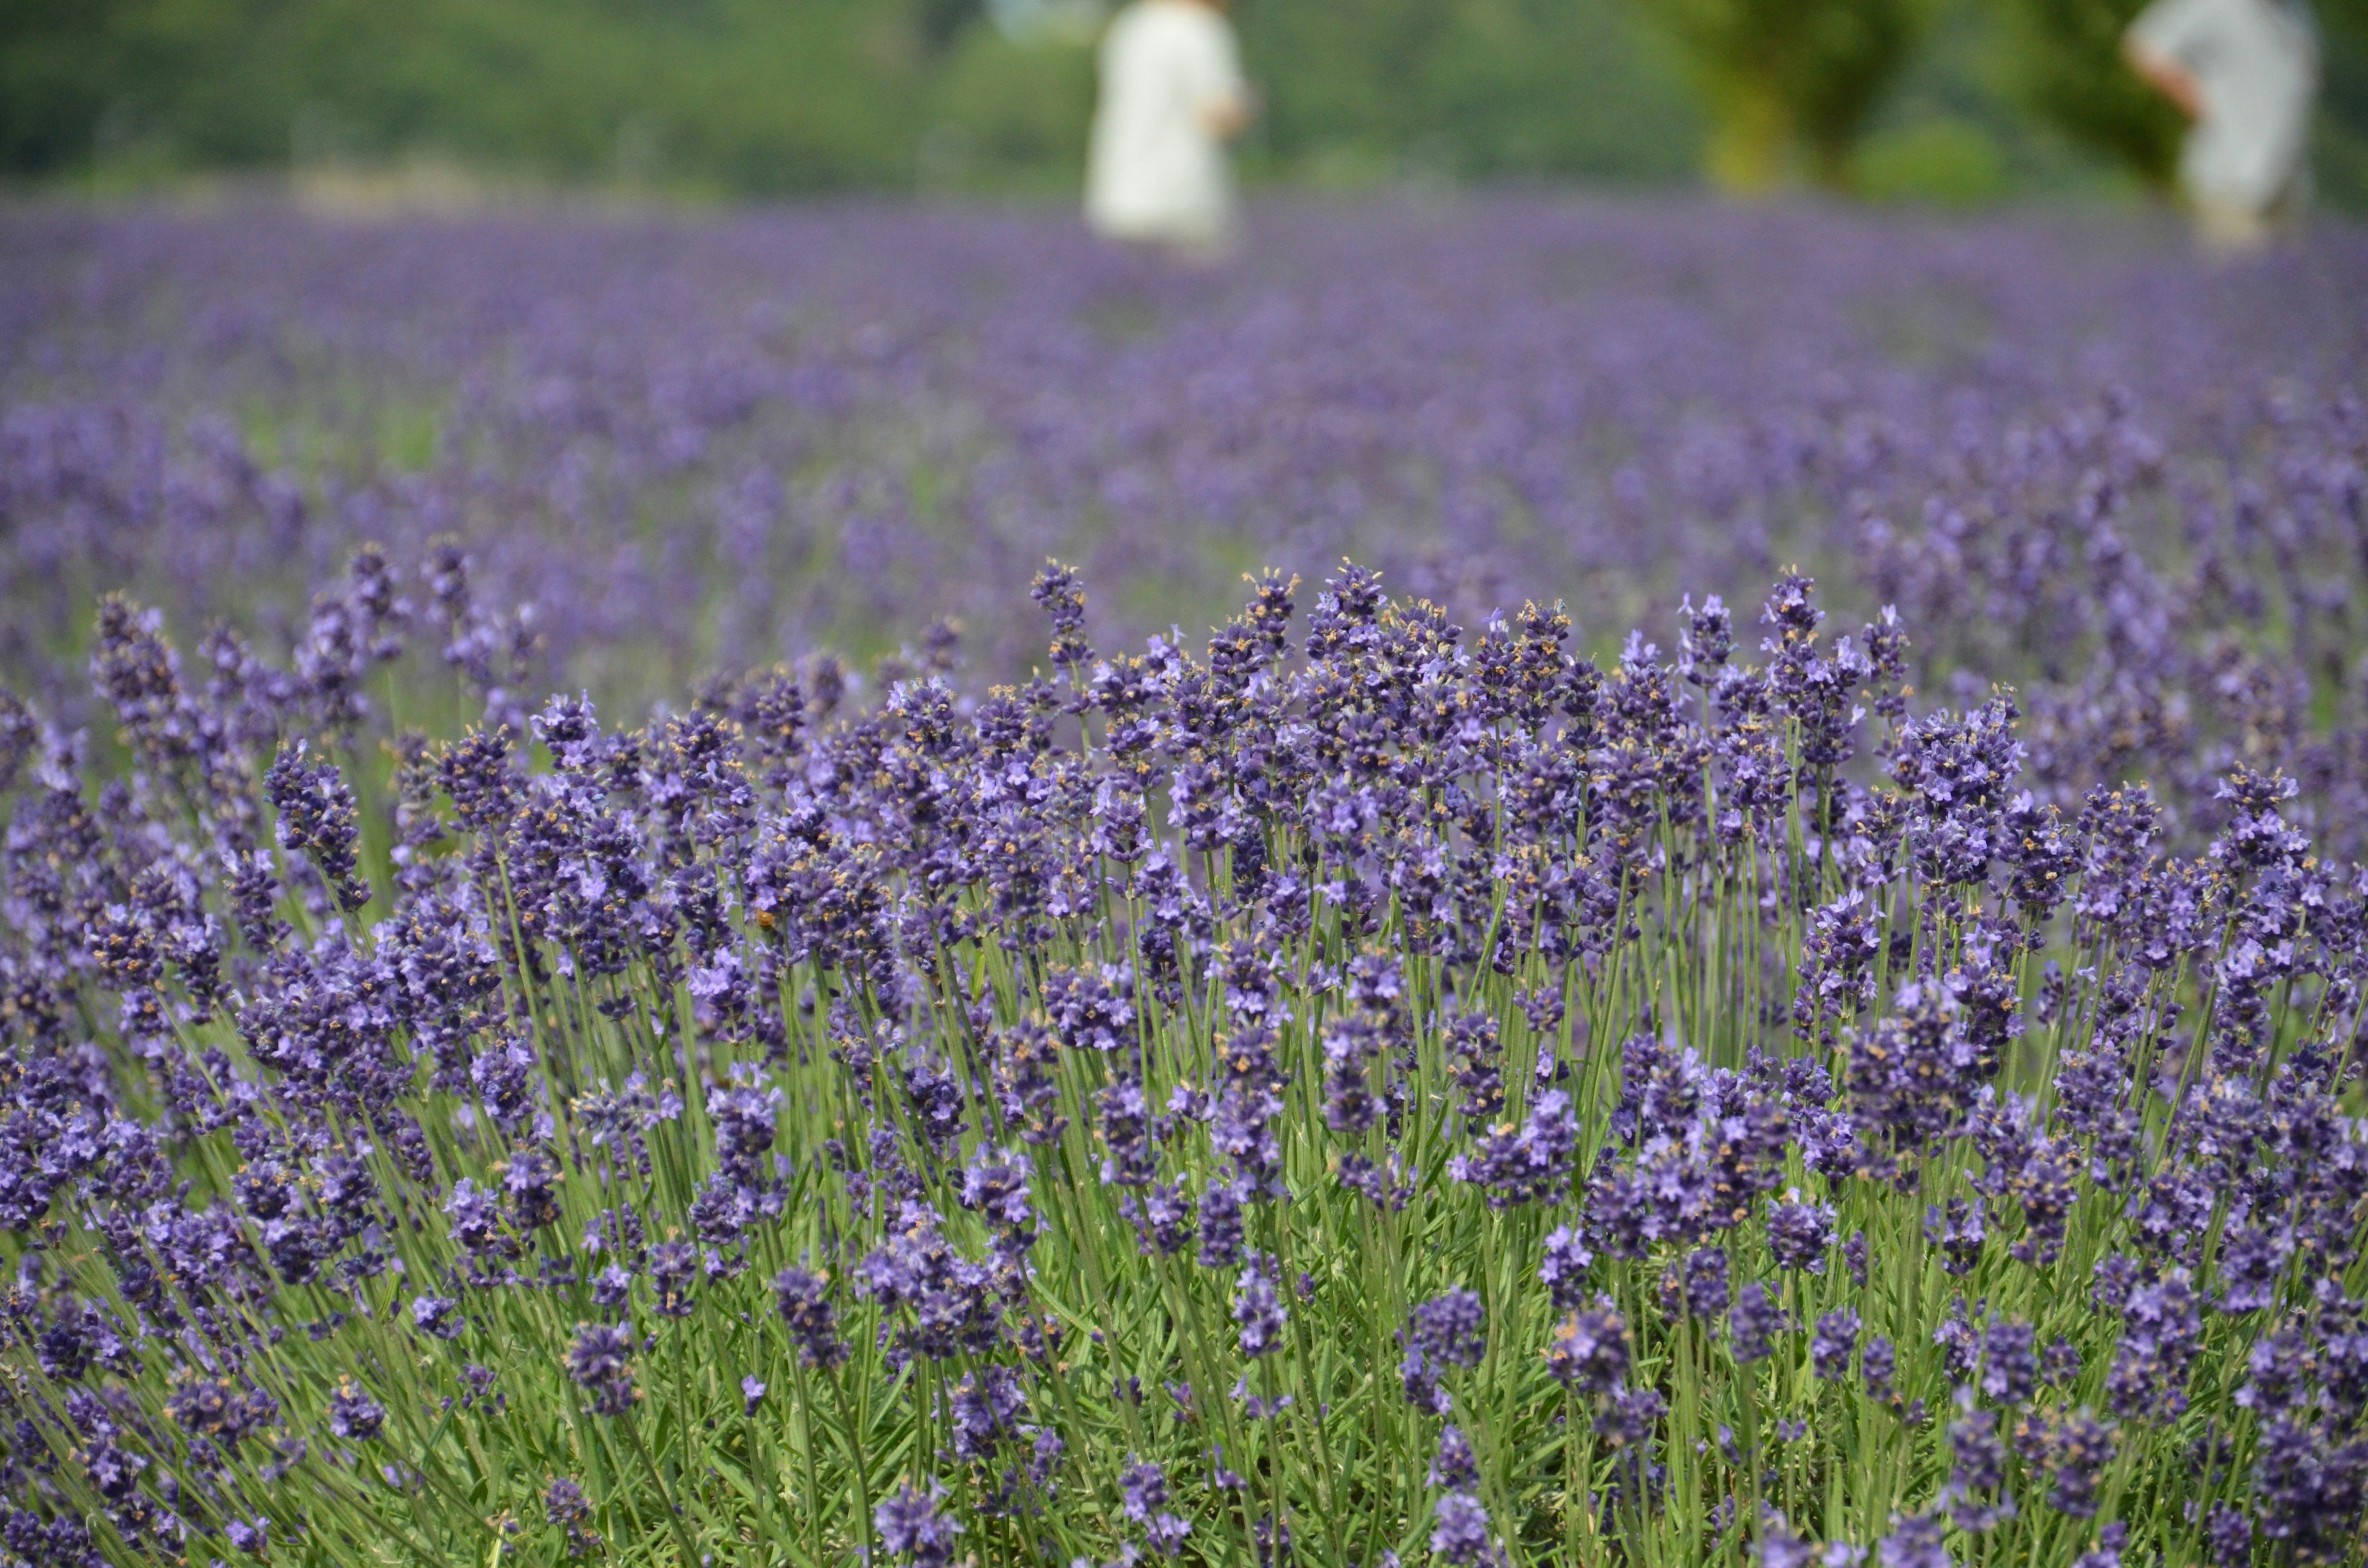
1258,1308
1461,1532
1914,1542
910,1526
1588,1350
1832,1343
1143,1494
1800,1233
354,1414
599,1361
1753,1323
1564,1272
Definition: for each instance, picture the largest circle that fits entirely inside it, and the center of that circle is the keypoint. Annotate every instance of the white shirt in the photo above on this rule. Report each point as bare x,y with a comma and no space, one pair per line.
1156,169
2256,67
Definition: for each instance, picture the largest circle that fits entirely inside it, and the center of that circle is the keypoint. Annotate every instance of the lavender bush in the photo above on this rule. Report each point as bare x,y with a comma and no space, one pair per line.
1353,1091
2071,458
1378,1083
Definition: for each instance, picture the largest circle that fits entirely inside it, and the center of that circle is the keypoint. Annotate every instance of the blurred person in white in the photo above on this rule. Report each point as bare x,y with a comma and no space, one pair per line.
1172,95
2245,73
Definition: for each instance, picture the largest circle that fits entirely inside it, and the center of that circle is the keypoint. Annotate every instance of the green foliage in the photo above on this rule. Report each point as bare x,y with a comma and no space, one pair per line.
1472,88
1945,161
2342,170
1006,114
758,97
1790,81
765,96
2066,62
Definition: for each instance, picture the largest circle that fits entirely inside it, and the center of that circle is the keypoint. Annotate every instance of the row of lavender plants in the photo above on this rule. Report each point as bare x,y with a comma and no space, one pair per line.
1354,1091
2073,459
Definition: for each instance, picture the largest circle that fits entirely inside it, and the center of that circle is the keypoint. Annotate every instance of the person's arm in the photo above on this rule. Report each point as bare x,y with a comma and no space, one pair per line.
2165,75
1226,105
1229,116
2161,41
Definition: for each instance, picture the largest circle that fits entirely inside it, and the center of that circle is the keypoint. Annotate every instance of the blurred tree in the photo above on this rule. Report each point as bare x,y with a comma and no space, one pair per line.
1790,83
2065,58
1009,114
763,96
1553,87
1378,90
752,94
2341,168
942,21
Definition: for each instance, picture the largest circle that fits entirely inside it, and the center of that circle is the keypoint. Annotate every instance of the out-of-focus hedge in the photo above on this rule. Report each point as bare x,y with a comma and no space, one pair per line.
759,95
772,97
751,95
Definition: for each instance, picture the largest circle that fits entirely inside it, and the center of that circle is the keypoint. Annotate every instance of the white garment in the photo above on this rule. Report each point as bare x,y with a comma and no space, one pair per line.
1156,170
2256,67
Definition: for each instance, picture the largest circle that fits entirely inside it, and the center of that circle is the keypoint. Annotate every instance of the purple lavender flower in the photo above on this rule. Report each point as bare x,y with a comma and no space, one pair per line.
1799,1233
745,1122
673,1265
2310,1486
1531,1167
2079,1450
1959,1231
2107,1553
1588,1350
612,1287
2009,1362
1453,1467
1352,1045
1704,1289
1754,1322
1450,1330
599,1362
987,1408
1221,1225
1877,1363
1779,1546
1461,1532
1707,641
567,1509
1629,1416
354,1414
1564,1272
1163,1221
1469,1041
2161,1329
529,1182
1057,591
995,1184
2061,1364
1914,1542
1091,1009
316,818
1143,1493
1129,1159
2230,1533
1978,1470
1257,1307
910,1526
436,1316
2251,1258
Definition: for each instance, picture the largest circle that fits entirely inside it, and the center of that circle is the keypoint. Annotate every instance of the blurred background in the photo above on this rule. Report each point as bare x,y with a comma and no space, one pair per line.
1959,102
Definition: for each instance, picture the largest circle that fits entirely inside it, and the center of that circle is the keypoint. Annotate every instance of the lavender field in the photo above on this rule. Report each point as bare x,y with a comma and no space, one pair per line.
665,901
